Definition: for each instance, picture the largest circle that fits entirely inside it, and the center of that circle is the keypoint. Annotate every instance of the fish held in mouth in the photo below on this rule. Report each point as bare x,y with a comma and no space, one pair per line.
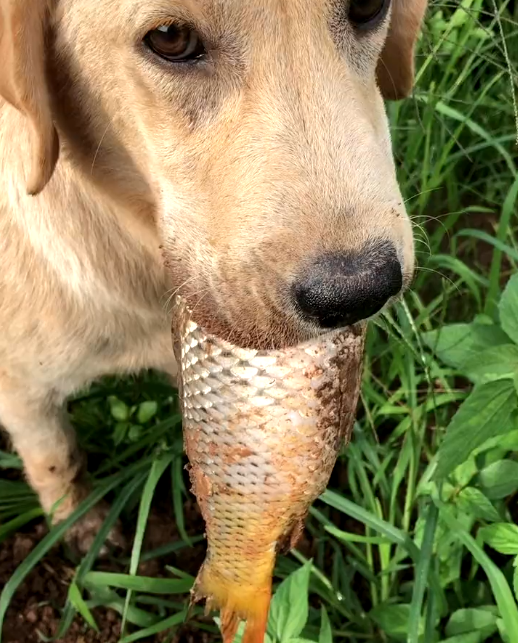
262,432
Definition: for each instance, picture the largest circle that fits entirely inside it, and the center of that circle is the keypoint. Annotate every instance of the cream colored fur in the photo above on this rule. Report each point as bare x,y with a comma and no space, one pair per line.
235,173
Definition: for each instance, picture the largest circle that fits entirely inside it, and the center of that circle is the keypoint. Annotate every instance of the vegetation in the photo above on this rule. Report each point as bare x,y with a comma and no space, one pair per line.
416,538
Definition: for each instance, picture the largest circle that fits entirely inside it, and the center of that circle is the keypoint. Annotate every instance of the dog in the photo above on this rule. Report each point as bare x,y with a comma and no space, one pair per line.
234,152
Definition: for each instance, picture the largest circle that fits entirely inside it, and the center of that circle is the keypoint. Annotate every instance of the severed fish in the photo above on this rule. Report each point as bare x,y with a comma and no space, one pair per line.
262,432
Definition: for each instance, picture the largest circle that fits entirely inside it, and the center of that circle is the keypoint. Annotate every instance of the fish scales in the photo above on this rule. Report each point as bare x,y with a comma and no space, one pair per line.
262,431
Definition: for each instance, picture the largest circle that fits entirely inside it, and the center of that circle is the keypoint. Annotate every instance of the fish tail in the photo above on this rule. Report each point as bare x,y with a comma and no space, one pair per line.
237,602
256,629
229,625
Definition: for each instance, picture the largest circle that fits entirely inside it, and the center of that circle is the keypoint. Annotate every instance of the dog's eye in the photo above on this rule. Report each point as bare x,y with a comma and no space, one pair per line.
175,43
367,13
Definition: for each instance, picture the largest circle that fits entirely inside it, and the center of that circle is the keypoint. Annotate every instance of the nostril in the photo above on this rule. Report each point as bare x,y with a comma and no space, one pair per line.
339,289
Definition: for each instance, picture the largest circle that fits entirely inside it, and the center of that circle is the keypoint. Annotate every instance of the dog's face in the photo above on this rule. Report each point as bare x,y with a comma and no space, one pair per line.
253,134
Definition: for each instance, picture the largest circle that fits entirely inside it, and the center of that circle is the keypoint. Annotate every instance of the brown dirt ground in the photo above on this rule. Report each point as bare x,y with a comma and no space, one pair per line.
35,609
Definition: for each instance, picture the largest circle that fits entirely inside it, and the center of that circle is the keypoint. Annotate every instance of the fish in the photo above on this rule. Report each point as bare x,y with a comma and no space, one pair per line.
262,430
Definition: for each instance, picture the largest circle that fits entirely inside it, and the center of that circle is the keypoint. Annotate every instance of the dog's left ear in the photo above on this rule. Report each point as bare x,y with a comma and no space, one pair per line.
396,65
23,84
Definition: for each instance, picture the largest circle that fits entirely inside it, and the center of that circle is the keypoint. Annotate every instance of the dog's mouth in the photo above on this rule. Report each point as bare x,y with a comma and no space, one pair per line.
275,315
240,318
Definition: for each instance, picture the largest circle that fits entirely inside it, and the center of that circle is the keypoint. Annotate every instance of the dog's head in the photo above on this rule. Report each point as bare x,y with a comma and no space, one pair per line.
251,133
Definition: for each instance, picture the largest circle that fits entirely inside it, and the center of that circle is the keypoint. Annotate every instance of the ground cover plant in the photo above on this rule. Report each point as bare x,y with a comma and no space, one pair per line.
416,538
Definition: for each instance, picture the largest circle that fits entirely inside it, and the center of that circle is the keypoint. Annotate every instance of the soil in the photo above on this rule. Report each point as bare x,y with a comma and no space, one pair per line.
35,611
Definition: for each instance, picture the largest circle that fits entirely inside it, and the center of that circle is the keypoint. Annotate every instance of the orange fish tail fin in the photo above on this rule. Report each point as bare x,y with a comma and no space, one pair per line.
256,629
256,617
229,625
237,602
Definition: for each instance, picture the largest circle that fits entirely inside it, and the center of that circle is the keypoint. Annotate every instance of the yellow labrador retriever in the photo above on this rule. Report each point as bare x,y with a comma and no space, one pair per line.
236,151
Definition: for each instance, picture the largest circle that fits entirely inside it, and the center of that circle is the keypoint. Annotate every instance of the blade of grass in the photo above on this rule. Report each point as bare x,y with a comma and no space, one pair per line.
20,521
157,469
176,619
138,583
508,210
89,559
422,574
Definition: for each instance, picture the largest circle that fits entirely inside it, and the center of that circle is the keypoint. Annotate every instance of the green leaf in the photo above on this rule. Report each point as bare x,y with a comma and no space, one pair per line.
515,577
503,632
392,619
456,344
472,501
496,363
501,590
468,620
508,308
469,637
118,409
74,596
326,633
499,479
289,608
502,536
452,344
146,411
484,414
240,632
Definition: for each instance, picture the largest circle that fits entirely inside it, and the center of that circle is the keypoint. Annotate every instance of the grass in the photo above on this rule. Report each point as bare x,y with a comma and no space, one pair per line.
415,539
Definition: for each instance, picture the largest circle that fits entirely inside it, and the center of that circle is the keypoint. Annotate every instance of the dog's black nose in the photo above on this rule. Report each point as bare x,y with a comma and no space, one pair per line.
339,289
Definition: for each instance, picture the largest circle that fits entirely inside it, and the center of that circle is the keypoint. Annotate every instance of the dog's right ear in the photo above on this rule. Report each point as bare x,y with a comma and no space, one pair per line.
23,84
396,65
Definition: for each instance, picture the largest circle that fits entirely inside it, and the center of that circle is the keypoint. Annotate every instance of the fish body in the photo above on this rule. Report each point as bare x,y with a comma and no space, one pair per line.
262,431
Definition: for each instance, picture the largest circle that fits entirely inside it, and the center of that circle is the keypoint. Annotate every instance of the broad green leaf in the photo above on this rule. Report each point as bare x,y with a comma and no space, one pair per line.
508,308
468,620
487,335
515,577
146,411
484,414
472,501
289,608
496,363
502,536
326,633
456,344
452,344
499,479
392,619
118,409
240,632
